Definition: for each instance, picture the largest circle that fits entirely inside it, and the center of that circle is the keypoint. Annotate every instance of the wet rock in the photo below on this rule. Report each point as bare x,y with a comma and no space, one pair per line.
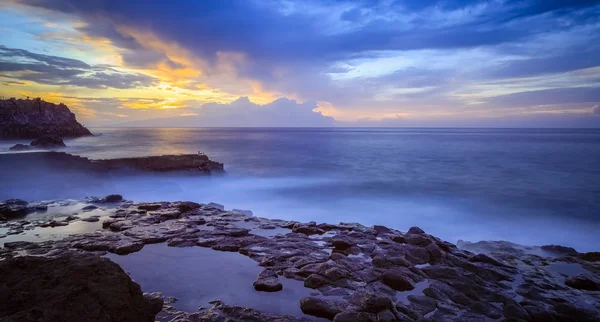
307,230
154,300
417,254
89,208
121,225
342,243
415,230
187,206
150,207
113,198
127,248
20,245
591,256
48,141
20,147
216,205
243,212
91,219
355,317
320,307
315,281
13,208
516,311
108,222
583,282
559,250
382,229
54,223
233,232
70,288
389,316
71,218
268,282
417,239
397,279
482,258
375,303
486,309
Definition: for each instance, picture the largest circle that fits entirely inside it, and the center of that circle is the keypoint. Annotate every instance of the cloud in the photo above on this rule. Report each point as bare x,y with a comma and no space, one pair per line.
596,109
53,70
547,97
242,112
360,58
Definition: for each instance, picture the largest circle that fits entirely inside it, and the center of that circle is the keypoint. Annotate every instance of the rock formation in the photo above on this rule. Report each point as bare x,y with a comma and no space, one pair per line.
33,118
71,288
48,141
198,163
43,142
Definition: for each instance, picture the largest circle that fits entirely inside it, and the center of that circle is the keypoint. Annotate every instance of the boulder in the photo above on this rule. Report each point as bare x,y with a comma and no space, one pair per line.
415,230
268,282
320,307
48,141
375,303
70,288
583,282
113,198
397,280
13,208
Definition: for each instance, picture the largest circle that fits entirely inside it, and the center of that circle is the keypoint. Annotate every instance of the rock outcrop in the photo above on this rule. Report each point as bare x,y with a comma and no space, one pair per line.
48,141
43,142
198,163
71,288
33,118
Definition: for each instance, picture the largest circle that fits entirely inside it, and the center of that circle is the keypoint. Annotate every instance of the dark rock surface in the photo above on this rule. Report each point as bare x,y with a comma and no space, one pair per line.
355,273
195,163
20,147
33,118
13,208
48,141
70,288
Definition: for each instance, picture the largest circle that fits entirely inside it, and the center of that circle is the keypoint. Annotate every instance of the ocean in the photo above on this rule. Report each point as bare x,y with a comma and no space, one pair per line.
529,186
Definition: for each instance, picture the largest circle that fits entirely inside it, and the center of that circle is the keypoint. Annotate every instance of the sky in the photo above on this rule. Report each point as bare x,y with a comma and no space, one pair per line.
472,63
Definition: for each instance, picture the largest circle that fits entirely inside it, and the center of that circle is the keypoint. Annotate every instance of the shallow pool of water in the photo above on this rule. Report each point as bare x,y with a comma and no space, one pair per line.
196,276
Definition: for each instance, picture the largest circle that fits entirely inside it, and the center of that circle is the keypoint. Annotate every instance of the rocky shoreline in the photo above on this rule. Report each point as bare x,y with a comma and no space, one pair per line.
352,272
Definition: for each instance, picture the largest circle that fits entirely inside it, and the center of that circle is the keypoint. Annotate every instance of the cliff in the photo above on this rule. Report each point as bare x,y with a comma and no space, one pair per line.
32,118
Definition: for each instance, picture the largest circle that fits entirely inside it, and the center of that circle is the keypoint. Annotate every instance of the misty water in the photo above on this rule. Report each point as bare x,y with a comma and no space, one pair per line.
529,186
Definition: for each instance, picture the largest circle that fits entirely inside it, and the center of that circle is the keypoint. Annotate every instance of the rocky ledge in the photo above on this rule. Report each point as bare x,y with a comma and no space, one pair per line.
198,163
71,288
33,118
354,272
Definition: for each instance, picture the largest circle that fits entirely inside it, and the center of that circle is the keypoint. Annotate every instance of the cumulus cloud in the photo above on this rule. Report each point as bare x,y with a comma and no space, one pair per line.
242,112
53,70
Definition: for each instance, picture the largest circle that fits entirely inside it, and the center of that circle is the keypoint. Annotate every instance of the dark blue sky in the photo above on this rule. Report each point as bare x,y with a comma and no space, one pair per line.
388,62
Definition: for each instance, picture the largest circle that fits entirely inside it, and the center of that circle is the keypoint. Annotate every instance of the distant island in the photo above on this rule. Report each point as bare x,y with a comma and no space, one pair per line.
34,118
